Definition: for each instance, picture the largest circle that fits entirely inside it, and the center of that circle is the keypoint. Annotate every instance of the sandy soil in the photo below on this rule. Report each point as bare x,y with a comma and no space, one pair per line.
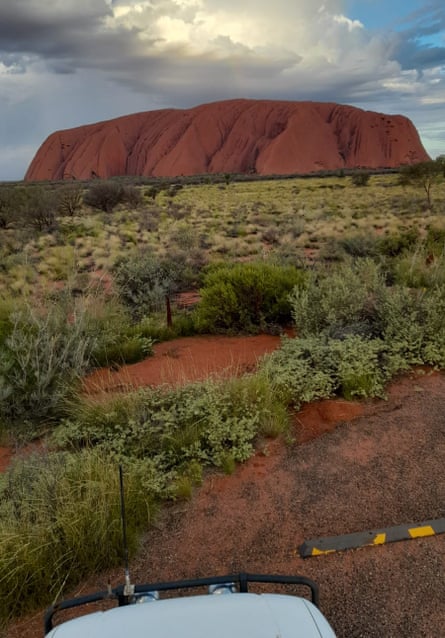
351,467
188,359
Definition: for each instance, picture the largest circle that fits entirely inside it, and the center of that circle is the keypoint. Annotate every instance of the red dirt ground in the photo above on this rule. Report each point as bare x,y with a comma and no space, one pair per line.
187,359
376,464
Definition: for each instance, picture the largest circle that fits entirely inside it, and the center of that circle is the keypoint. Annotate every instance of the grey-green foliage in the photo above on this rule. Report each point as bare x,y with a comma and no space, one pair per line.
104,195
337,303
69,199
43,355
203,422
60,521
357,333
420,268
412,324
117,340
317,367
143,282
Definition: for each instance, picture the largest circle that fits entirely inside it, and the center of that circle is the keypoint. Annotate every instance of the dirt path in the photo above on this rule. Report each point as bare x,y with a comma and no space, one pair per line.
384,468
384,465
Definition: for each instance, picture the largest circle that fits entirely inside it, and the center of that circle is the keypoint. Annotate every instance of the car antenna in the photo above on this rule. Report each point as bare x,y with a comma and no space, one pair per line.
128,588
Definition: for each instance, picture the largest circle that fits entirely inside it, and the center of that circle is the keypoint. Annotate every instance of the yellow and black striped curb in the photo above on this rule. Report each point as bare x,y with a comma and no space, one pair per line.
331,544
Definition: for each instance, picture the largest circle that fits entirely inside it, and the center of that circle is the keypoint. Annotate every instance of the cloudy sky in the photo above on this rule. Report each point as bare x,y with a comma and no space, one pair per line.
69,62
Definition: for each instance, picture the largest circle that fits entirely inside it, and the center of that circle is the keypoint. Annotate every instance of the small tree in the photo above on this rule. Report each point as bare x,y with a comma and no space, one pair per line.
132,196
145,284
39,208
11,202
424,174
69,199
104,195
440,159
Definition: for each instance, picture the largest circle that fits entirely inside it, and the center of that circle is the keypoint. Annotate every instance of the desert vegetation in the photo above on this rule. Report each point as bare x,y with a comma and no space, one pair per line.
91,275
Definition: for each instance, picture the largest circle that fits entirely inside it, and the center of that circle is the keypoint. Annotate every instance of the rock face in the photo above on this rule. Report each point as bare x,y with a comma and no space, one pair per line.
235,136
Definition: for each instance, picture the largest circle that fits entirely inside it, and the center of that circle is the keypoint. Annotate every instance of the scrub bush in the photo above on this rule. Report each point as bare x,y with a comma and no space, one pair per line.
337,303
246,297
43,355
69,199
104,195
360,178
314,368
39,208
143,282
412,323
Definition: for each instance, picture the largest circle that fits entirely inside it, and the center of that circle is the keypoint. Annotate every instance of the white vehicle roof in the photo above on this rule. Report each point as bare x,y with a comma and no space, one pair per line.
239,615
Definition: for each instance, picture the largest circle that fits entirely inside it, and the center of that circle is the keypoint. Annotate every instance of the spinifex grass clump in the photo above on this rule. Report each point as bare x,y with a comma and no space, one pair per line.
60,520
43,355
45,352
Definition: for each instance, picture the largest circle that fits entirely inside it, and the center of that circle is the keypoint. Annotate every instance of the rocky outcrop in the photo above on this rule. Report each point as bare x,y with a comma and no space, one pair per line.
235,136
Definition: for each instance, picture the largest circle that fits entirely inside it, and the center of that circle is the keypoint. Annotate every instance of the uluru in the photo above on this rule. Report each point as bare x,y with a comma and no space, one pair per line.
264,137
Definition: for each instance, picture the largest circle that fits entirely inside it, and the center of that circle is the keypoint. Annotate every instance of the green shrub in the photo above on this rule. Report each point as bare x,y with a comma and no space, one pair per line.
155,328
433,351
412,323
60,521
132,196
197,422
300,371
125,349
435,241
246,297
394,245
419,269
6,309
11,202
360,245
361,366
423,174
203,423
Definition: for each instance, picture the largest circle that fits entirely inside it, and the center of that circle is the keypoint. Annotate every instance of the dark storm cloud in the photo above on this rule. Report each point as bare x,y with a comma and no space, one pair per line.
29,26
66,35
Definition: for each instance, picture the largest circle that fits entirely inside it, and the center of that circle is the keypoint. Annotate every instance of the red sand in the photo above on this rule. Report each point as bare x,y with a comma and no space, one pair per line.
187,359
